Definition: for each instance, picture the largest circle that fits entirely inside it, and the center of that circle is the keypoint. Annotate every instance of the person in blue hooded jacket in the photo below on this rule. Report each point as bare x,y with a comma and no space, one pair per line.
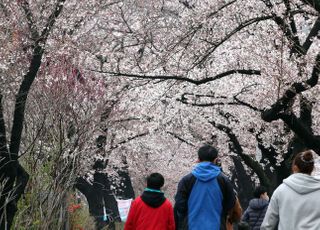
205,196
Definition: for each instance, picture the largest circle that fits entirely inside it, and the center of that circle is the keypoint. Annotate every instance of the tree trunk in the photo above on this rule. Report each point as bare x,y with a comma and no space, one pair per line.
100,195
242,182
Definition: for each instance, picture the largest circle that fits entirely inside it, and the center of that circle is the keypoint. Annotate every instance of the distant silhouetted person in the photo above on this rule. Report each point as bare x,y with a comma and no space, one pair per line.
295,203
205,197
257,208
151,210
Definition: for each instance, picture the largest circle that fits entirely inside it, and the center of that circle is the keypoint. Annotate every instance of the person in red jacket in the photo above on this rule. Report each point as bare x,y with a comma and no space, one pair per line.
151,210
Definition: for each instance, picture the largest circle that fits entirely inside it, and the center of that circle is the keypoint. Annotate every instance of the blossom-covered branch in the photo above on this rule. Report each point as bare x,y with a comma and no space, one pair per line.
249,161
302,131
184,79
180,138
30,19
296,88
51,20
243,25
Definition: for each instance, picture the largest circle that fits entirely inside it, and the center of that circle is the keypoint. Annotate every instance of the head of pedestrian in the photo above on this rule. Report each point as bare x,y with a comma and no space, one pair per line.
208,153
155,181
261,193
303,162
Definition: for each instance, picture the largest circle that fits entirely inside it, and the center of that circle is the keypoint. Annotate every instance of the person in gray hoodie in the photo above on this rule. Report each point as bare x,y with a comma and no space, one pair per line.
257,209
295,203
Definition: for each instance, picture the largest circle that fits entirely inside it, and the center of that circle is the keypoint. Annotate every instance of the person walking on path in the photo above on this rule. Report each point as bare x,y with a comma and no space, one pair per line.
205,197
257,209
151,210
295,203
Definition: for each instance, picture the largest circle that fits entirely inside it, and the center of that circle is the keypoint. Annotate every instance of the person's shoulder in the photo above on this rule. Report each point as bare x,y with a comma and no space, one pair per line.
223,179
281,191
187,177
224,176
136,200
168,203
281,188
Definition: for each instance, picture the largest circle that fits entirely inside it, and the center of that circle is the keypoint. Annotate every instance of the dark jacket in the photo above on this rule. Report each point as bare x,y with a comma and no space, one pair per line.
203,199
150,211
255,213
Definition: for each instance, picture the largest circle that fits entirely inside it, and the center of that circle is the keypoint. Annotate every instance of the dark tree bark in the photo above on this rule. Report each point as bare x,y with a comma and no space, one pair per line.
242,182
100,195
279,110
94,195
9,164
126,191
313,3
248,160
275,172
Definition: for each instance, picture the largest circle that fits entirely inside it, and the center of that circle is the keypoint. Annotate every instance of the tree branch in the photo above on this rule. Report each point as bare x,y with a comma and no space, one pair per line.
291,18
306,112
288,30
20,103
181,78
21,97
315,4
243,25
180,138
302,131
235,97
313,33
249,161
51,20
29,16
269,153
296,88
127,140
206,104
293,26
220,8
239,102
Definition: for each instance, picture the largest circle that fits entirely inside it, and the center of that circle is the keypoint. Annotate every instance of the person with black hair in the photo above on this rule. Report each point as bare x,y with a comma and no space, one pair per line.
151,210
295,203
205,197
257,209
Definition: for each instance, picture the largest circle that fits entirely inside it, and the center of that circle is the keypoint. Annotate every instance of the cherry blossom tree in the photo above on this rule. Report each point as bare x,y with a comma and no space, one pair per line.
13,176
239,74
254,61
39,53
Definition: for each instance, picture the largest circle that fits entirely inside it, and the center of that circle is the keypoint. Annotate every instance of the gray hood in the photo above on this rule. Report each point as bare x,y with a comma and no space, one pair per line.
302,183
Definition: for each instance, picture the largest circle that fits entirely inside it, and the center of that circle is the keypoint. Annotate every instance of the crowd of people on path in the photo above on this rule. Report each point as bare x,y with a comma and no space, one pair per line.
206,200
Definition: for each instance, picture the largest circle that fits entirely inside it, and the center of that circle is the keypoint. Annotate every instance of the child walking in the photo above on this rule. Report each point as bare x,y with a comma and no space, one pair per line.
151,210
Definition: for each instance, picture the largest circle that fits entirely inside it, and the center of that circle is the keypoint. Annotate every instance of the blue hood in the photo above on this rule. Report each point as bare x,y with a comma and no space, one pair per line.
205,171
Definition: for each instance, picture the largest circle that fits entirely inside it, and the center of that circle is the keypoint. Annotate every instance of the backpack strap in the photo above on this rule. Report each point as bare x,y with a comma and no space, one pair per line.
190,184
